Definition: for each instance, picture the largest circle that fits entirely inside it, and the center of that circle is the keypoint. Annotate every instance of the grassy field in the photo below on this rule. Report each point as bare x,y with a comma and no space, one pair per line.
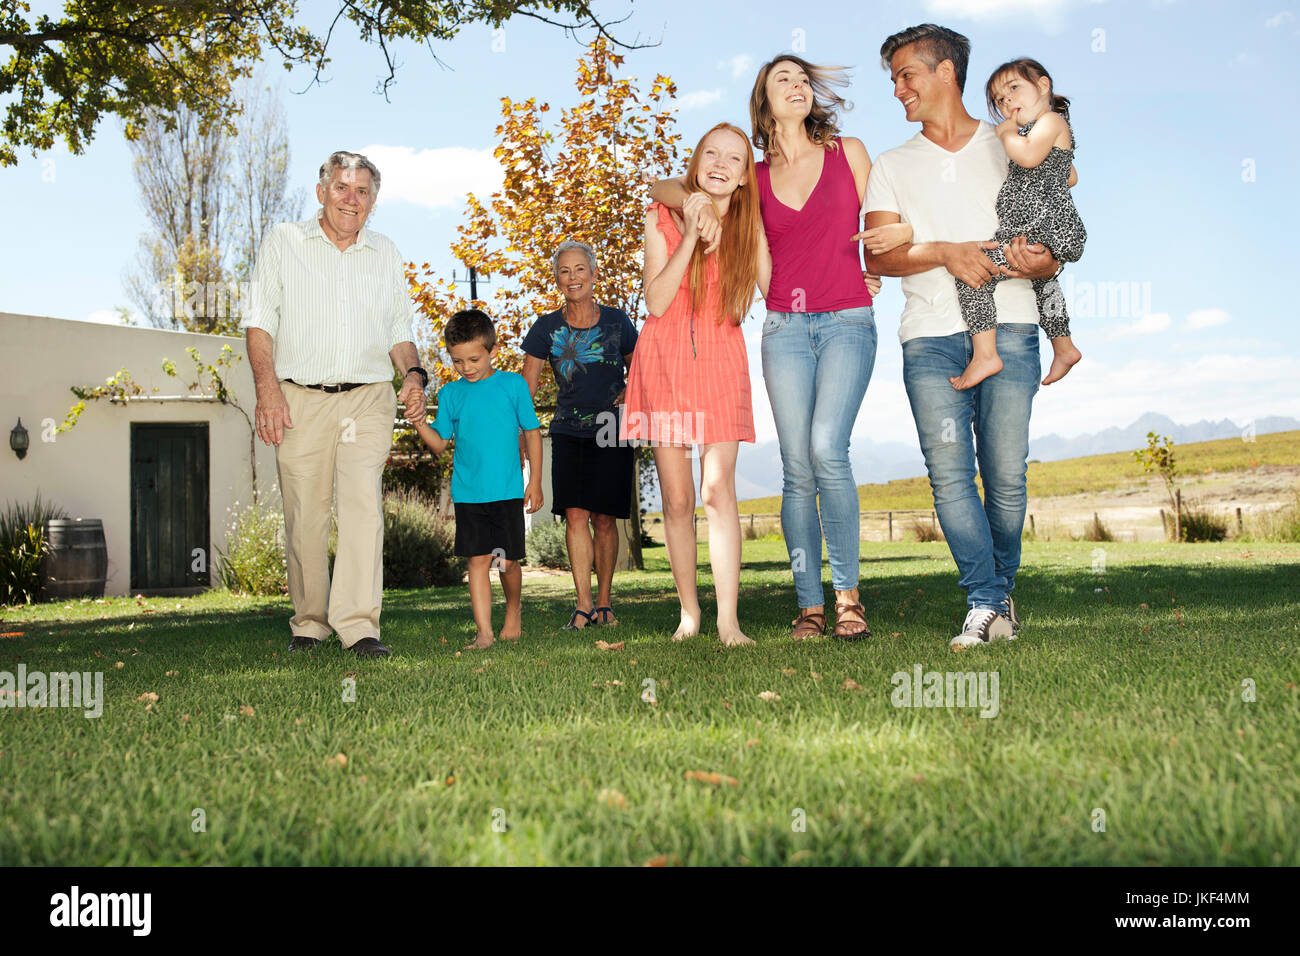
1083,475
1124,696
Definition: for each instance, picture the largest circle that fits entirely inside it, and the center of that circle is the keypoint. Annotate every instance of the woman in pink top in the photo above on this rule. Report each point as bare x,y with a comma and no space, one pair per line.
819,337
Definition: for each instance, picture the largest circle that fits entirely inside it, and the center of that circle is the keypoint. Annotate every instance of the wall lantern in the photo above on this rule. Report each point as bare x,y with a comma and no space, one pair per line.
18,440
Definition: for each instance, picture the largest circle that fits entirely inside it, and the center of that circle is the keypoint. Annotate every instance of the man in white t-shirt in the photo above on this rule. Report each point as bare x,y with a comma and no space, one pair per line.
945,182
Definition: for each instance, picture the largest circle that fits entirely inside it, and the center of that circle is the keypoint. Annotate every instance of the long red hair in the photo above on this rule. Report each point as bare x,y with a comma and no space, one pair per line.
738,250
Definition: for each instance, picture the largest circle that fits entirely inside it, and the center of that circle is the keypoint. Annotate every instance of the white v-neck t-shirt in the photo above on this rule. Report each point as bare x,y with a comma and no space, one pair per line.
946,197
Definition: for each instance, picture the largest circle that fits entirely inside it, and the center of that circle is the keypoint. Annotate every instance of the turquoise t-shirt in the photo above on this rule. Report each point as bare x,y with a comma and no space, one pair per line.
484,418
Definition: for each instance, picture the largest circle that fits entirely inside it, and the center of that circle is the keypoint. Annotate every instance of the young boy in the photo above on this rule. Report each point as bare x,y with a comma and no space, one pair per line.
484,412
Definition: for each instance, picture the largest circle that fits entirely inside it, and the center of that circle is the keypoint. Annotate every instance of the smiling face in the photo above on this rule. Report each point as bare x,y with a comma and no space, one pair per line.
724,158
789,91
574,275
347,202
1021,100
922,91
471,360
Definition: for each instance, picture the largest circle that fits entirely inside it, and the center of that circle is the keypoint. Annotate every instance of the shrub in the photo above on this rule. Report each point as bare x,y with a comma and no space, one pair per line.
546,545
1280,525
23,547
418,543
1202,524
253,562
1096,531
925,531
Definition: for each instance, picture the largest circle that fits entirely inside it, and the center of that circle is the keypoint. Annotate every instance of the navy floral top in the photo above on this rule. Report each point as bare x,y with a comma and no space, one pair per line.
588,366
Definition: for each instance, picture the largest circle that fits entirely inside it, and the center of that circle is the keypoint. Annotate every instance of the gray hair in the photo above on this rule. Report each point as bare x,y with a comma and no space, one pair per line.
567,246
342,159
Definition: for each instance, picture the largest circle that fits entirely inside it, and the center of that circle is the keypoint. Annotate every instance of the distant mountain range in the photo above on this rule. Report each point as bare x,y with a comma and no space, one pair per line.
1054,447
758,467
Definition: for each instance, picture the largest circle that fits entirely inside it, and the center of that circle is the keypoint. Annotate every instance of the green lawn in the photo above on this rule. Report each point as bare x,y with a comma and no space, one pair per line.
1104,705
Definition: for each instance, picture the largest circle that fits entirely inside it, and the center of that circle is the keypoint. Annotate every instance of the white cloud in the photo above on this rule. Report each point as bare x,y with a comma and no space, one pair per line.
110,317
1204,318
1048,14
699,99
434,178
1147,325
1277,19
1097,395
740,65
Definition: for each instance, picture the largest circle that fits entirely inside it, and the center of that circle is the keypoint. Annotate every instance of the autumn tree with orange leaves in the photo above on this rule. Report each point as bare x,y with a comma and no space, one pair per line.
589,181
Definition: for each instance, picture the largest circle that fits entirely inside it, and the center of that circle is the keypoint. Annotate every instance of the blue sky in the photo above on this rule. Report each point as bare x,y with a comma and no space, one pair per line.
1187,158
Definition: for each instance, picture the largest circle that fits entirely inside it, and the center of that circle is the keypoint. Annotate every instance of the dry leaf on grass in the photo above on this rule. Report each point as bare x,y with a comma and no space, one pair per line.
601,645
660,860
850,684
450,781
769,695
338,760
119,665
788,671
480,670
612,799
245,710
714,779
149,696
171,673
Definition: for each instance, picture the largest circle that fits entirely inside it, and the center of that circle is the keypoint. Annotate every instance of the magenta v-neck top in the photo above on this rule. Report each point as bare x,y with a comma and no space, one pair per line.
816,266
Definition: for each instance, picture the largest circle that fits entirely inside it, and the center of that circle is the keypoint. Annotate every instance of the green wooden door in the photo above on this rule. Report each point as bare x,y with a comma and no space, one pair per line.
169,508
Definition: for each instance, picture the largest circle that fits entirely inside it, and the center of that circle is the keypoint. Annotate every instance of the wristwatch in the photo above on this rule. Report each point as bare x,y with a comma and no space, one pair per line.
424,376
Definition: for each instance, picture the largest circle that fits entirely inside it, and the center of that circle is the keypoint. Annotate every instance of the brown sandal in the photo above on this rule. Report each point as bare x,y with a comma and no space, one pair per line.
855,634
805,625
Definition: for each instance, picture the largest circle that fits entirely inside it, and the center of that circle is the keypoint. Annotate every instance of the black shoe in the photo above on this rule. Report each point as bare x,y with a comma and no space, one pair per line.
301,643
369,647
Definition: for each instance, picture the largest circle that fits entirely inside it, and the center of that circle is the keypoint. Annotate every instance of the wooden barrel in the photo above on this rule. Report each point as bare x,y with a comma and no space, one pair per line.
77,565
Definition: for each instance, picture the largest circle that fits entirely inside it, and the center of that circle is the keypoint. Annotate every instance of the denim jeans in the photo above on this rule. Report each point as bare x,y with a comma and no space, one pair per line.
989,424
816,366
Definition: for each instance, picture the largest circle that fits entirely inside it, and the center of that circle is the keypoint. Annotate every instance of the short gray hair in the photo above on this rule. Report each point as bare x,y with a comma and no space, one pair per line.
567,246
342,159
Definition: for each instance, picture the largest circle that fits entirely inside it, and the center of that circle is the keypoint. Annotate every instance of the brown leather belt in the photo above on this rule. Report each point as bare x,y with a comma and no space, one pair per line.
344,387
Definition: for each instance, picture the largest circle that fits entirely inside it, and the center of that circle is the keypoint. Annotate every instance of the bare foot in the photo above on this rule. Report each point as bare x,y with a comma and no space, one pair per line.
481,642
689,627
977,371
514,625
1064,360
731,636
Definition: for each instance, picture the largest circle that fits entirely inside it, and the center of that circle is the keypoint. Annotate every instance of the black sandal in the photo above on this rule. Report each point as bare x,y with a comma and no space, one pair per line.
573,621
605,613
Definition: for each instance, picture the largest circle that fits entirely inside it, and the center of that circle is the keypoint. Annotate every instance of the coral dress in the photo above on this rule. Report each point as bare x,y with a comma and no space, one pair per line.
689,380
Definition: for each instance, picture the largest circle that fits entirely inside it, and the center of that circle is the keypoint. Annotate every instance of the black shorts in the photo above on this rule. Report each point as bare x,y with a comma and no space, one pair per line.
591,477
490,527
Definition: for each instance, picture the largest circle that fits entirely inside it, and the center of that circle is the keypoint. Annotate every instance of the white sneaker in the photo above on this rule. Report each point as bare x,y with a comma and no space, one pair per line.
982,626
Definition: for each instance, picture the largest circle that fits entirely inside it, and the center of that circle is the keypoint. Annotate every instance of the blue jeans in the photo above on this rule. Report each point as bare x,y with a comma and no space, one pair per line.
816,366
989,424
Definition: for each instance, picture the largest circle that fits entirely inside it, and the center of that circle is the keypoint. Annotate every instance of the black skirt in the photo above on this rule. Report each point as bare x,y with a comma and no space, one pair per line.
591,476
490,527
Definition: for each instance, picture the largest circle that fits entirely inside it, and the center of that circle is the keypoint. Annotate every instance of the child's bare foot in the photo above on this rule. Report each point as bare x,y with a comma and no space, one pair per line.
977,371
514,624
732,637
688,627
1064,359
482,642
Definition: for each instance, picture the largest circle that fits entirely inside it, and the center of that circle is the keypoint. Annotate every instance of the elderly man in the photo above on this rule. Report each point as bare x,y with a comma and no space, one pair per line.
329,310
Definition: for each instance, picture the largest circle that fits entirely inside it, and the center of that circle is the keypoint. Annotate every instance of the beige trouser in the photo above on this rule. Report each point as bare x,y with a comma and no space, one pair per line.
341,438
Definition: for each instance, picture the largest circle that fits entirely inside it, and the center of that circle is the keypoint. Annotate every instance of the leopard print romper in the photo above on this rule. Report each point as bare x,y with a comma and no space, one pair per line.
1034,203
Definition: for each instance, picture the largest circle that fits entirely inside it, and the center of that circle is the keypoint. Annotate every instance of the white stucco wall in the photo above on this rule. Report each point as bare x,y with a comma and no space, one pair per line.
87,471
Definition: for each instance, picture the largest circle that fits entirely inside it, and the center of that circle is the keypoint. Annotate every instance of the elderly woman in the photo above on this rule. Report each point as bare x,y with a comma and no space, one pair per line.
589,347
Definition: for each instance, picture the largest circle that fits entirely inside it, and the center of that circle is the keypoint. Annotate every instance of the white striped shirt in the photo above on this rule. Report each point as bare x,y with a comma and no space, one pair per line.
333,315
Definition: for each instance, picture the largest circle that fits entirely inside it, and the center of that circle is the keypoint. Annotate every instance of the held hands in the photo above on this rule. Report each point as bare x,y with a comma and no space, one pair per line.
884,239
272,415
702,222
533,498
412,397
